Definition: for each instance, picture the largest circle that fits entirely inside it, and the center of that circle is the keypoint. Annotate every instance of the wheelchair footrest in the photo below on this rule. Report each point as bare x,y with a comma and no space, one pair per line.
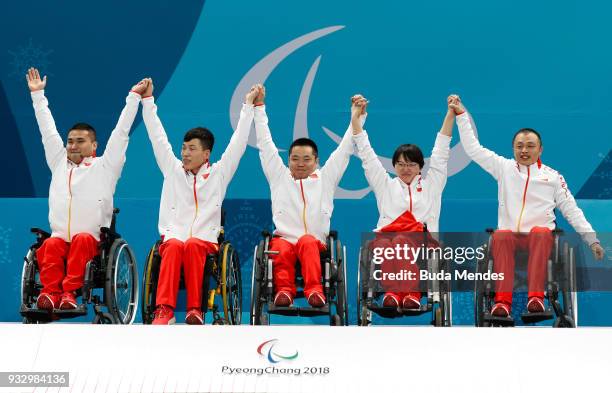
498,321
299,311
46,316
35,314
535,317
395,312
77,312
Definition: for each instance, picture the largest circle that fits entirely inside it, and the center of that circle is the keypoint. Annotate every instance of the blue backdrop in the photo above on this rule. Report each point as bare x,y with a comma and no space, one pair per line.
520,64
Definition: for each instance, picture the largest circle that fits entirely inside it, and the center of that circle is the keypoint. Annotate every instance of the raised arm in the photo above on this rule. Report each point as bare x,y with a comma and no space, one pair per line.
166,160
573,214
337,162
375,173
114,154
55,151
271,161
486,158
237,145
438,163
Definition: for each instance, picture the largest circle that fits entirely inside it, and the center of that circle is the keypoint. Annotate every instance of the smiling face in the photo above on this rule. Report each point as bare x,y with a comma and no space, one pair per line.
194,155
406,170
302,162
407,161
80,144
527,148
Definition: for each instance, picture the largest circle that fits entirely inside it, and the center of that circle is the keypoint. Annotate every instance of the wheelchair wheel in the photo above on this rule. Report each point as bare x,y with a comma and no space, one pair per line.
150,276
259,315
231,285
29,290
446,298
481,292
104,319
121,289
569,319
341,295
364,315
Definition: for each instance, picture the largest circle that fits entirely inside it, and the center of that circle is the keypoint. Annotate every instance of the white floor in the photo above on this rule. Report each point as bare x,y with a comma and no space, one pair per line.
102,358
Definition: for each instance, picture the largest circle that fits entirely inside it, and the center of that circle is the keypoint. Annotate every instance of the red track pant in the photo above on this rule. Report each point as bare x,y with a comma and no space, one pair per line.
307,250
538,242
54,275
191,255
406,286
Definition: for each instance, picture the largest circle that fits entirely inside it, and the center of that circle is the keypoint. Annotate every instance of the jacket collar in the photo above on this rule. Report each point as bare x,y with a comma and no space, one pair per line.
205,168
87,161
533,168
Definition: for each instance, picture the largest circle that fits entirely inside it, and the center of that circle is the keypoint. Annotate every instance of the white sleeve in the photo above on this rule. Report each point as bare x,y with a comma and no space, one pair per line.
488,160
438,163
337,162
228,163
566,203
271,162
114,154
55,151
162,149
375,173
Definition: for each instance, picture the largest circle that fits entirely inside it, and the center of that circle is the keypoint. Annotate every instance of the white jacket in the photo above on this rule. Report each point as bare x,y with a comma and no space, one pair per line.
422,197
527,195
305,206
81,196
191,204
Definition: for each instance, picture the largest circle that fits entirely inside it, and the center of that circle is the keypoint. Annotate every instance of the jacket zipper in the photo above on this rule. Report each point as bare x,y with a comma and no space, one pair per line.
410,194
304,208
195,198
518,225
69,202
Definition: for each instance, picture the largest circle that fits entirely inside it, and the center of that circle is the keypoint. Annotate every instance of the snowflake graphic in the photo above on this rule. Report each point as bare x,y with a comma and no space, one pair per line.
30,55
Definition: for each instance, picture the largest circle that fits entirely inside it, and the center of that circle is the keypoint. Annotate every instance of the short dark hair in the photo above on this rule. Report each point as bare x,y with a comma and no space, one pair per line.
409,152
305,142
527,131
206,138
85,127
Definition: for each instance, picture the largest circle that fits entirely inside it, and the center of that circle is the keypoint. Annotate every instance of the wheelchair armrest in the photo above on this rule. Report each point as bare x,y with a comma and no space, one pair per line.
333,235
116,210
265,233
108,234
557,231
40,233
490,230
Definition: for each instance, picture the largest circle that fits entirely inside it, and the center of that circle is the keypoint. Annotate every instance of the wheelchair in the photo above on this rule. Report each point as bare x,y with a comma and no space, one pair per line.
560,288
370,291
333,268
113,270
222,270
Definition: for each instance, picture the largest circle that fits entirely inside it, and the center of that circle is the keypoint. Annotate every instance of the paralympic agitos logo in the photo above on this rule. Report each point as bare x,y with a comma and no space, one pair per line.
260,72
266,350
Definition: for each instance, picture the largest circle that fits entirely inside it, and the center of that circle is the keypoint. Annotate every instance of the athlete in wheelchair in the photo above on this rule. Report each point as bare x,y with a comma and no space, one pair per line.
221,284
191,222
529,191
80,254
302,203
558,286
407,204
333,283
113,269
